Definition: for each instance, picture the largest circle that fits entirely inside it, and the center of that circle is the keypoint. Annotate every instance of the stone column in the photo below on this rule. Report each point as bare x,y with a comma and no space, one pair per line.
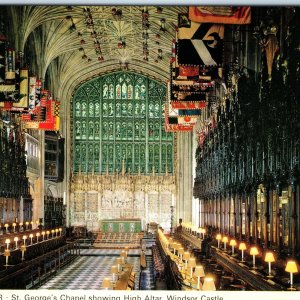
99,209
146,208
42,175
86,198
21,215
184,176
37,183
70,209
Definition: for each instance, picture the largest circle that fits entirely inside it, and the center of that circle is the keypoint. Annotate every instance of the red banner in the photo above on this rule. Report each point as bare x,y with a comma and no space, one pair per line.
188,104
220,14
171,123
189,71
177,127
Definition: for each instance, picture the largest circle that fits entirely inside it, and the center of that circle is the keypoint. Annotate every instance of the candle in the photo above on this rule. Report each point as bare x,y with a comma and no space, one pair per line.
6,254
23,249
16,239
225,241
31,236
119,262
7,242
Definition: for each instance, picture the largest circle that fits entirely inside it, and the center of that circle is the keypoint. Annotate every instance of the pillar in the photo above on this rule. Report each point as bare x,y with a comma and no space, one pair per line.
184,176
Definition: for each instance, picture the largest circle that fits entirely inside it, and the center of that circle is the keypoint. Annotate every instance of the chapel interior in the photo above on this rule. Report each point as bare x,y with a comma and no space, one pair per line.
150,147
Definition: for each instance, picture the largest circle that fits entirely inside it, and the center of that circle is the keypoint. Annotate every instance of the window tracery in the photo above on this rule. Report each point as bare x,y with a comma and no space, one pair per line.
120,117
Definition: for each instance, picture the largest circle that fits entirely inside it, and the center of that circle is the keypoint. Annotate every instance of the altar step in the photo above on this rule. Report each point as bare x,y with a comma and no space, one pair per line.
118,240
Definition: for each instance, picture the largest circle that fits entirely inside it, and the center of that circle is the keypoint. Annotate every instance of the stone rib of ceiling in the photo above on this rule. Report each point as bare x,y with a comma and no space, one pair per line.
69,42
80,36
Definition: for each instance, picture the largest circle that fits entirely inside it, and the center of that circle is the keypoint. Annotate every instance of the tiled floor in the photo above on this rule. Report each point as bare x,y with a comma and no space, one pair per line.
88,270
109,252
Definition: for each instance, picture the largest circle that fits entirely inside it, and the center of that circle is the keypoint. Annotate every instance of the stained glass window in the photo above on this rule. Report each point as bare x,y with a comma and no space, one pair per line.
119,117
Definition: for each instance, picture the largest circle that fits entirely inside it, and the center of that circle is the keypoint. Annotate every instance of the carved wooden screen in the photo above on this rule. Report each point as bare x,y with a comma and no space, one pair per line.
120,117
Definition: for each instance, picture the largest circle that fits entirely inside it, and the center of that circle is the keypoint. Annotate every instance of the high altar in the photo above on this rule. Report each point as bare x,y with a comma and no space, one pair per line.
112,196
121,225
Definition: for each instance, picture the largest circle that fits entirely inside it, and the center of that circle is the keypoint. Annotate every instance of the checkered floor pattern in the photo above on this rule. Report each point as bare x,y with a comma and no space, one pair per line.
87,272
111,252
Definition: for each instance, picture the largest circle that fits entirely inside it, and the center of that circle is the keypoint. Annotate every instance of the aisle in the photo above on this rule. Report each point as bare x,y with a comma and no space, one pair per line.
87,271
147,275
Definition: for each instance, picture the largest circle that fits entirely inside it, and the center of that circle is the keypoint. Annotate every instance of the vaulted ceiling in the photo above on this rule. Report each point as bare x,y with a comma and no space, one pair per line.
67,45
